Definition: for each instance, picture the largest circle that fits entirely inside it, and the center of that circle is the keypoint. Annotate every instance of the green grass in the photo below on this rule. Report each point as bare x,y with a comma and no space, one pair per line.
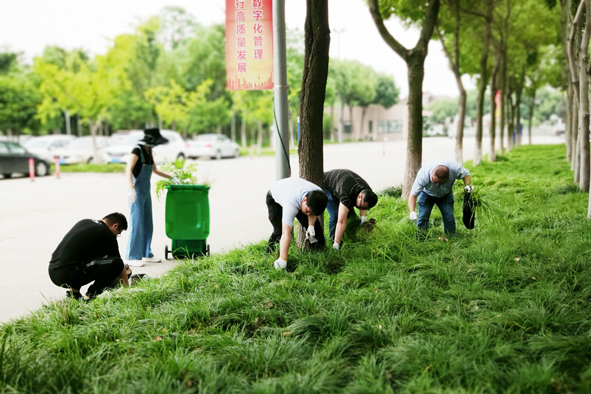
105,168
501,308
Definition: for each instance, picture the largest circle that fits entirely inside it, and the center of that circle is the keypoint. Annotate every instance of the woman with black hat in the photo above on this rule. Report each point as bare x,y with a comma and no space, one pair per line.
139,171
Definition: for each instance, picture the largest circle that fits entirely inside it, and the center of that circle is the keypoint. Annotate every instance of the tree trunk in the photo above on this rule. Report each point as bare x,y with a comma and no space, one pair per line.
460,125
584,100
363,112
454,65
291,128
259,136
503,87
351,131
94,126
317,44
243,141
493,108
575,133
233,126
531,114
483,81
510,121
415,62
575,140
332,134
568,123
414,146
518,93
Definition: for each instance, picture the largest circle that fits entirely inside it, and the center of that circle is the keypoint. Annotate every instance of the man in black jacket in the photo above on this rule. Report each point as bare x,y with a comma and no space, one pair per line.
345,190
89,252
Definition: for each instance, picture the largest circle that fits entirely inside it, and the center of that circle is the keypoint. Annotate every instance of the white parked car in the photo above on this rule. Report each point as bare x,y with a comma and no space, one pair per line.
215,146
175,149
81,150
45,146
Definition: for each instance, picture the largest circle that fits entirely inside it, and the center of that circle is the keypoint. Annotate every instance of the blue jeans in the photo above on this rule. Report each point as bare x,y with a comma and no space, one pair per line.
333,213
446,206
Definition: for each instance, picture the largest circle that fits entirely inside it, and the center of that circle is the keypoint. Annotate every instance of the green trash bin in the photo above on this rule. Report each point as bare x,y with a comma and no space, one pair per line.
187,220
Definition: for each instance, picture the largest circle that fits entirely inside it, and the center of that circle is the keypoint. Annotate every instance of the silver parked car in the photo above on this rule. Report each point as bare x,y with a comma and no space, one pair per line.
215,146
175,149
81,150
45,146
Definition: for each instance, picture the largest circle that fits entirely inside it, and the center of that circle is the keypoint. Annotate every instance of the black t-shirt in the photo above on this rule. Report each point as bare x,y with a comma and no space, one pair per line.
86,241
344,185
148,159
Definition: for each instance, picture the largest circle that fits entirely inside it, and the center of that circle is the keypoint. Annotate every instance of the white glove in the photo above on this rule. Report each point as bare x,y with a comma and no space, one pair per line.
175,181
468,188
363,219
413,216
311,234
280,264
131,196
336,246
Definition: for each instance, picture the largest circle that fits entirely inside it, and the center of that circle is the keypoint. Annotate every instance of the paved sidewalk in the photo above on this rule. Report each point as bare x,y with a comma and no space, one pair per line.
34,216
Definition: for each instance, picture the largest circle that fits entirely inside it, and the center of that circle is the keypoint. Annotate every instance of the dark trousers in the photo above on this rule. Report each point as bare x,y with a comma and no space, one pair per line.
446,206
275,214
102,271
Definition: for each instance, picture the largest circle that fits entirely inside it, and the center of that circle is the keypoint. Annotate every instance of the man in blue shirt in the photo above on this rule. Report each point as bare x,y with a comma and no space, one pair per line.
433,186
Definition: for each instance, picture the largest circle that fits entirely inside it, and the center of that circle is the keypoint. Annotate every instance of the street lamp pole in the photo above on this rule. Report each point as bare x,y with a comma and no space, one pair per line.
282,169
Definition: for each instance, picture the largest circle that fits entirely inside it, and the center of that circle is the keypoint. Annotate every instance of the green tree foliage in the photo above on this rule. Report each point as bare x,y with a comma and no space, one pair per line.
85,88
202,57
386,91
8,61
442,108
171,104
19,98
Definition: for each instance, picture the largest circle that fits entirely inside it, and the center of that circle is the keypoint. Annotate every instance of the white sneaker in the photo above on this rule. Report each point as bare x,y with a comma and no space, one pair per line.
151,260
135,263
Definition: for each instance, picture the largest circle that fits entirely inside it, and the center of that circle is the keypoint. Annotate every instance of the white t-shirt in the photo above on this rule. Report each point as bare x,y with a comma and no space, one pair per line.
289,193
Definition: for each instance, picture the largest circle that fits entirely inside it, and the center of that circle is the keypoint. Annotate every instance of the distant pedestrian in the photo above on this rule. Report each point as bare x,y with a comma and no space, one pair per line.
289,199
433,186
345,190
89,252
140,167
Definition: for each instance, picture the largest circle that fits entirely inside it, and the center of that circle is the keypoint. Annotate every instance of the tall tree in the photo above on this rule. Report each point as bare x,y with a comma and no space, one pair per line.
425,12
485,38
452,51
83,88
317,43
312,95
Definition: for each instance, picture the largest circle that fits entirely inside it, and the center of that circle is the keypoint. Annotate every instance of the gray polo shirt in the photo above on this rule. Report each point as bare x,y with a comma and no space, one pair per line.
289,193
423,179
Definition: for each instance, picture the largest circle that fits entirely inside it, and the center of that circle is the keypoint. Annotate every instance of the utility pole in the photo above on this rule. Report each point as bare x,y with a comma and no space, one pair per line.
282,168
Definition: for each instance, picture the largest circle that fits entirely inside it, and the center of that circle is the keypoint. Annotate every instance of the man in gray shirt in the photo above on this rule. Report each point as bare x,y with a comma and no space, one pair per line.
289,199
433,186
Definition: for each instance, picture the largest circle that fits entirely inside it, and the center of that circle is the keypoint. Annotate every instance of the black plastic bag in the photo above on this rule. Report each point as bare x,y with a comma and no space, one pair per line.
468,211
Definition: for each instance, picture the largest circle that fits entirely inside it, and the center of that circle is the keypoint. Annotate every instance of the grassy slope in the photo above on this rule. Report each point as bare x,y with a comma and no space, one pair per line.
501,308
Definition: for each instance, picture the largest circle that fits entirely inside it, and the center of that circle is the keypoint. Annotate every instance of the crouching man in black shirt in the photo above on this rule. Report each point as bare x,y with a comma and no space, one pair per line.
89,252
345,190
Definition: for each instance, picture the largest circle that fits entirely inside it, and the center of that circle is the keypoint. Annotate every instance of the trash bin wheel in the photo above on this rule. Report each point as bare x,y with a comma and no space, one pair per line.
207,250
166,252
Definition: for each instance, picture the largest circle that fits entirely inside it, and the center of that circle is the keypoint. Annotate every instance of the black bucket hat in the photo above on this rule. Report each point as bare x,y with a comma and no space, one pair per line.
152,137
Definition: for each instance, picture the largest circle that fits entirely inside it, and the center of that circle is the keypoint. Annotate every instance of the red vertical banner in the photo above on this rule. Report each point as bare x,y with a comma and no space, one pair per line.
249,44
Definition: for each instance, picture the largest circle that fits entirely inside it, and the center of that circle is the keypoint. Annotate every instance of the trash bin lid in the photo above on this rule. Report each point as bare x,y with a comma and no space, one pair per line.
188,187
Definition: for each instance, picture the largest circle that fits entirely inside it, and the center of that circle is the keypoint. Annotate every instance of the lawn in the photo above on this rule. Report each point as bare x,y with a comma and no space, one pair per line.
501,308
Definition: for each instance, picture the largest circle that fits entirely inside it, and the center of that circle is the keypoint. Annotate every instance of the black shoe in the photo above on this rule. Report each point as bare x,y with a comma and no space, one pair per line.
75,295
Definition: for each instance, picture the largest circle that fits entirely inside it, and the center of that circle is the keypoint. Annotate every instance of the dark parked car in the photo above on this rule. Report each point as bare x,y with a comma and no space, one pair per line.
15,158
